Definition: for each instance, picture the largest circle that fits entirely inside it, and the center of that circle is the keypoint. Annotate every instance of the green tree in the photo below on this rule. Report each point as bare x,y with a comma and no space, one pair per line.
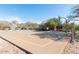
4,26
77,27
33,25
53,23
75,13
67,26
21,25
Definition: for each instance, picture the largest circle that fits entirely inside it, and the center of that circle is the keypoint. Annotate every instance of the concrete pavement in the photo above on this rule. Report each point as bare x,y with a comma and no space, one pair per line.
33,43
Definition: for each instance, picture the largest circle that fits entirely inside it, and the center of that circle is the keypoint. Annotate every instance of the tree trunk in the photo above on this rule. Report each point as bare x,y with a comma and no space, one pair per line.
72,34
55,28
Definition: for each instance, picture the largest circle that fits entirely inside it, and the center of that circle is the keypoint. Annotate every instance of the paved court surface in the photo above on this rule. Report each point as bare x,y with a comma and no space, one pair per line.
7,48
33,43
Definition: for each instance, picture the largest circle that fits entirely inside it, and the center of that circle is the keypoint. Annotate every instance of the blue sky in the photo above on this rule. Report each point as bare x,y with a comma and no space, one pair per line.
33,12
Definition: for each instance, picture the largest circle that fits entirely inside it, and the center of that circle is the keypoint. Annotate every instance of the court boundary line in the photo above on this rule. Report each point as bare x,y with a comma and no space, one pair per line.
24,50
30,42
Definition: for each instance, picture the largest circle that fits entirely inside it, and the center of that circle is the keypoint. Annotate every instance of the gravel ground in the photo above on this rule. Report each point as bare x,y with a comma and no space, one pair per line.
72,48
7,48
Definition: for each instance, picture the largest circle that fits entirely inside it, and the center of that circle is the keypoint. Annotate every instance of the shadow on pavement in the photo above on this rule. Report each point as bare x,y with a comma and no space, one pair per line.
51,34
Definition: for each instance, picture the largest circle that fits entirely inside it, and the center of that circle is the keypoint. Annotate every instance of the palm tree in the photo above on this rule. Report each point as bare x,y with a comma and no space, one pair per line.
53,23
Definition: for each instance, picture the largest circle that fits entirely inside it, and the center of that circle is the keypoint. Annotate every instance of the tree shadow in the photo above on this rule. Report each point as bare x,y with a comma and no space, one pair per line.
77,37
53,35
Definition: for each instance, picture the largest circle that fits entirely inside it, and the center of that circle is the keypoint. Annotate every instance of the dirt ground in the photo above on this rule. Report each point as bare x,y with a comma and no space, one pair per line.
72,48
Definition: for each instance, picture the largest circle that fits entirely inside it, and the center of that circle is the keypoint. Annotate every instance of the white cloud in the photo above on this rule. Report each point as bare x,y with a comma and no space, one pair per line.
76,21
11,18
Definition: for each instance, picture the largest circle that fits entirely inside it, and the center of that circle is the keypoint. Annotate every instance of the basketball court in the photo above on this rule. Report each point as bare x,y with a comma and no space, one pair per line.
33,43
